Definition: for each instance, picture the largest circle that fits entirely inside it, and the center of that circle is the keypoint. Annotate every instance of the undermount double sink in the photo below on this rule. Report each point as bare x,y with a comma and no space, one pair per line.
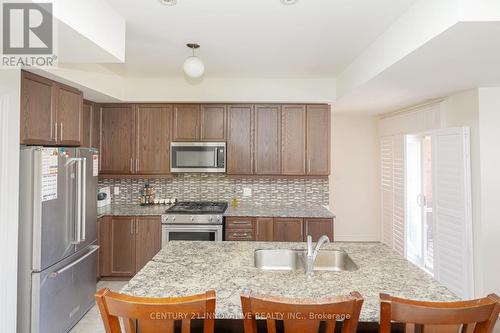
294,259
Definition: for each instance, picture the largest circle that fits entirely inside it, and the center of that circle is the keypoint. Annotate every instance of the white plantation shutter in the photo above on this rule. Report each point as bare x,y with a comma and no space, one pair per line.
453,264
399,204
393,193
387,187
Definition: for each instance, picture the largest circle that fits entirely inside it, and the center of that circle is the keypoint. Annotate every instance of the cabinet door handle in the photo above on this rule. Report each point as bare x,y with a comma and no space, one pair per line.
61,131
132,228
131,165
309,165
136,164
55,134
136,227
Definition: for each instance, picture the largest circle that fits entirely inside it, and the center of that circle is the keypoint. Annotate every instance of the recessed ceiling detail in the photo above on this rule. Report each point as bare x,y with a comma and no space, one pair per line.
252,39
289,2
168,2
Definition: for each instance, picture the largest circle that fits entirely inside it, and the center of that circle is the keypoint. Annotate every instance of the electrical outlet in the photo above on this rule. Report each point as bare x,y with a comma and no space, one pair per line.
116,190
247,192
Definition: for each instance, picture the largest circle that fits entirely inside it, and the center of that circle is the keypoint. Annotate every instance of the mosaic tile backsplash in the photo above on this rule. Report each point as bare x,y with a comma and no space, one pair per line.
219,187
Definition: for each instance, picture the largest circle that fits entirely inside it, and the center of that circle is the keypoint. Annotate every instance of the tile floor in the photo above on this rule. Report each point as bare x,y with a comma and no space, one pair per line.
91,322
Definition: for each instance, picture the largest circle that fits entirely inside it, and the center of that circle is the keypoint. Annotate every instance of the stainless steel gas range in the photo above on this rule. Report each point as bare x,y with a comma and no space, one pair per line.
193,220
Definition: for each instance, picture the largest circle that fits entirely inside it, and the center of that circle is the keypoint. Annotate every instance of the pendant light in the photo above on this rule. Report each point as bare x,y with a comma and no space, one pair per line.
193,66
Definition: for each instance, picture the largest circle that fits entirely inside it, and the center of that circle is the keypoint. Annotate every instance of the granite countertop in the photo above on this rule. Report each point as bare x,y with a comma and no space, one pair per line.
242,210
278,211
131,210
183,268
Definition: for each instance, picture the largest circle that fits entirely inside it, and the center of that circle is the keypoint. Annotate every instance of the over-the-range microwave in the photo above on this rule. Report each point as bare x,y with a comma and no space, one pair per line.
198,157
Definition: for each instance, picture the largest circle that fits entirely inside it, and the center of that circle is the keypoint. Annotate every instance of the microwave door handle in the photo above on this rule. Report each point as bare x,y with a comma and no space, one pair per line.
216,159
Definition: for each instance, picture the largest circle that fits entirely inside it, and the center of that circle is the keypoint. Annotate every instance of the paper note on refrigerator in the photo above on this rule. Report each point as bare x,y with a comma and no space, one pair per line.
95,165
49,173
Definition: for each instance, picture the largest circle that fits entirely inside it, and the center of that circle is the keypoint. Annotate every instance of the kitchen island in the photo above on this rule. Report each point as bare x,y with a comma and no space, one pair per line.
183,268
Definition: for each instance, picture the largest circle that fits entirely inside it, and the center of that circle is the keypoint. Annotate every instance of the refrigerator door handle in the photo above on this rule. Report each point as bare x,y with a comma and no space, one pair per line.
37,208
83,196
55,274
78,201
77,215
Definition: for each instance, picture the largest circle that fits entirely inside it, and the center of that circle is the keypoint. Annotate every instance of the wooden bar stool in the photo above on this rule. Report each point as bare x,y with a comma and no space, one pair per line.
301,315
155,315
475,316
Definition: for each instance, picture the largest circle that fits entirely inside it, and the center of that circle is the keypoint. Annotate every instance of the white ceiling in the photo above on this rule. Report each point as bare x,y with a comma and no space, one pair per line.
464,57
251,38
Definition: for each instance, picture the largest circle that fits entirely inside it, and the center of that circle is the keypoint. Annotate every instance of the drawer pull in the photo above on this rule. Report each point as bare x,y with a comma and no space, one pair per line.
241,222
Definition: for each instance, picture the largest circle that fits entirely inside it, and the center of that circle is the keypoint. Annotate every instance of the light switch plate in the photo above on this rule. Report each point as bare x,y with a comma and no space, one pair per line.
116,190
247,192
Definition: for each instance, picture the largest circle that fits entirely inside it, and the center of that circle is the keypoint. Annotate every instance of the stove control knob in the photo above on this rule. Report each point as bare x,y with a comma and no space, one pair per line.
192,218
210,218
165,218
173,218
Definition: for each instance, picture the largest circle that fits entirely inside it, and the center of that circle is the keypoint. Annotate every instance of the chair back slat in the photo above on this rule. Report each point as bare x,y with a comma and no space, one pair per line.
301,315
475,316
155,315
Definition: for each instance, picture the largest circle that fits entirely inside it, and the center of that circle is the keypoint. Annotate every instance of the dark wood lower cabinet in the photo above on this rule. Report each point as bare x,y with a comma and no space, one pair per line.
318,227
264,229
122,240
288,230
148,240
127,243
268,229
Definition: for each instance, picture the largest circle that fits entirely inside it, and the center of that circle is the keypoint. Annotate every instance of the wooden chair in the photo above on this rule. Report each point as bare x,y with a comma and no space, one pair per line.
475,316
301,315
155,315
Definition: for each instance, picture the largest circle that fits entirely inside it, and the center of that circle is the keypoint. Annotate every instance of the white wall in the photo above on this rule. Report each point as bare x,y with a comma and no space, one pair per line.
100,84
300,90
10,83
489,124
355,178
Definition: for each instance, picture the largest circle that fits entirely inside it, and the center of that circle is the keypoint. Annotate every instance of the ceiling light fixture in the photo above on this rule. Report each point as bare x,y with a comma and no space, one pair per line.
168,2
289,2
193,66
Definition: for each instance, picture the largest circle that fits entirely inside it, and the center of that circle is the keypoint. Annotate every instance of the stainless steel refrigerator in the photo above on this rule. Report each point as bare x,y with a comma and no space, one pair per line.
57,237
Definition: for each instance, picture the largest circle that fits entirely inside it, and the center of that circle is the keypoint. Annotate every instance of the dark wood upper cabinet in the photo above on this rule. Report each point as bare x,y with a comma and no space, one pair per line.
148,239
51,113
69,115
123,245
239,139
288,230
186,122
293,154
213,122
95,128
264,229
318,140
153,123
87,123
38,116
117,139
317,227
267,139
